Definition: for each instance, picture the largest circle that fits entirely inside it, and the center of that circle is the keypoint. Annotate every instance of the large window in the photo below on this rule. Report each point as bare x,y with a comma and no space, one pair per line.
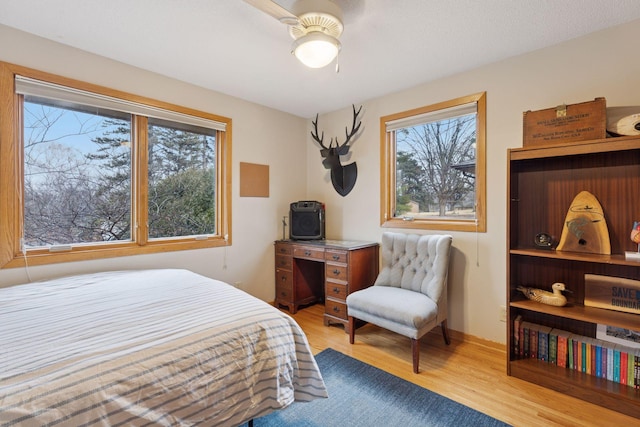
433,166
88,172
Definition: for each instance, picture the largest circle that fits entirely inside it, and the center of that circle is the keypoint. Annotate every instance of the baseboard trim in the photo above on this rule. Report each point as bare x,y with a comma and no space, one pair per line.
461,336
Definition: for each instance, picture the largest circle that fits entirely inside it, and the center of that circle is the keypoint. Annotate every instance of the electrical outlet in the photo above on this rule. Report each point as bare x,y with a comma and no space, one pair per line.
503,313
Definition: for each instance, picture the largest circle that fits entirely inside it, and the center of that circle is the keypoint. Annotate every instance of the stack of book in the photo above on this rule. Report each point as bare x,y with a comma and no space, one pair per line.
592,356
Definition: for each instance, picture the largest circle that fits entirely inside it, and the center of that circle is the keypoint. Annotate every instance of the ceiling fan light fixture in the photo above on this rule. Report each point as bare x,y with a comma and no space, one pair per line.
316,49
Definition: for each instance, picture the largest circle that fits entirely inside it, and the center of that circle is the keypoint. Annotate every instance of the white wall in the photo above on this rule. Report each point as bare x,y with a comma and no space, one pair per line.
600,64
260,135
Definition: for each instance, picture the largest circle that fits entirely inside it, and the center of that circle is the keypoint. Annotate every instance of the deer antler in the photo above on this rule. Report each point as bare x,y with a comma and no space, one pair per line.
349,134
315,135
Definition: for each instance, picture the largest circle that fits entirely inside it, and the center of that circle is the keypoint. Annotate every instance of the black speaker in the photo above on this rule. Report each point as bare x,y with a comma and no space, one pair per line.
306,219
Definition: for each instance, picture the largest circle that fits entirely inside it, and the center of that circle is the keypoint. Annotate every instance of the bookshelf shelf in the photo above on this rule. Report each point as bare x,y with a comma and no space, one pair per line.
615,259
542,182
582,313
618,397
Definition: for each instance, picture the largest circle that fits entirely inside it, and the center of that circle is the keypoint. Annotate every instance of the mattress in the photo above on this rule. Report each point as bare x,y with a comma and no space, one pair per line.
148,347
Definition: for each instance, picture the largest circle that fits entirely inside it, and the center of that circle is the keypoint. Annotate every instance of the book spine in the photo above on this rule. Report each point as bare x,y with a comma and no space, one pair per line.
562,351
517,324
533,342
637,370
616,365
553,347
581,363
543,346
630,369
623,366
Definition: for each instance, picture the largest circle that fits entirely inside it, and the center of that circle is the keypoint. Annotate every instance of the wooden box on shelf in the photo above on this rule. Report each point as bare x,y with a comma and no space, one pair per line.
542,182
565,123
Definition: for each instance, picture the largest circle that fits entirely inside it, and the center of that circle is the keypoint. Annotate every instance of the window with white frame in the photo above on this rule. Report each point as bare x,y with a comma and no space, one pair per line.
433,166
101,173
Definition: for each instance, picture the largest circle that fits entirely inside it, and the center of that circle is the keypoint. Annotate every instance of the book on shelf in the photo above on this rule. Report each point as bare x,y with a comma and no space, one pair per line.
543,343
562,338
517,327
533,340
553,347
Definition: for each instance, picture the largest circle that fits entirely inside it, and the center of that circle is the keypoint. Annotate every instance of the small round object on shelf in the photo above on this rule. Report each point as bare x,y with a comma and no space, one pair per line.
543,240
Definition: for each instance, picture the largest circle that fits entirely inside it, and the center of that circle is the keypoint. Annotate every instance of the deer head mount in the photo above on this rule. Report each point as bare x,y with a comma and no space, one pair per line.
343,177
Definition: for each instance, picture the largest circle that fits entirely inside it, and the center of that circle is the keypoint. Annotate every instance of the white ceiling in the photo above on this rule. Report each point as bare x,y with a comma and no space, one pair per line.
387,45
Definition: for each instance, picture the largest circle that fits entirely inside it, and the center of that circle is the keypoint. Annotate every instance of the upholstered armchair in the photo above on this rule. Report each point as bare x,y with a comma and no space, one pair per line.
409,296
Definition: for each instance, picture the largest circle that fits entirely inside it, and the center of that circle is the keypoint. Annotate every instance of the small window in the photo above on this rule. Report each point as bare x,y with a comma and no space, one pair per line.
433,166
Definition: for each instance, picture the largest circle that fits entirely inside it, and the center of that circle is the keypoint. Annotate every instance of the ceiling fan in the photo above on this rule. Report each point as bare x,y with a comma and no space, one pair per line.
315,26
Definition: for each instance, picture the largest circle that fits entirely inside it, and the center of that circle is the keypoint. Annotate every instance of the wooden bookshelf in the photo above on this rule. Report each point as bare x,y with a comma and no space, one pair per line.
542,182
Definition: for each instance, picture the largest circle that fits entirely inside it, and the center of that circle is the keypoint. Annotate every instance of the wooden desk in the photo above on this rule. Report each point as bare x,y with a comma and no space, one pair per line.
323,270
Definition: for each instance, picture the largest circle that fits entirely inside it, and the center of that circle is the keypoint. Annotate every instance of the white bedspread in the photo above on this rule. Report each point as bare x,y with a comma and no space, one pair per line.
149,347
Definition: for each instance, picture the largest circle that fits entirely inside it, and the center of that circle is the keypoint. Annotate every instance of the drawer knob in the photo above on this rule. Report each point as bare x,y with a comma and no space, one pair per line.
336,309
336,257
336,272
336,290
283,278
307,253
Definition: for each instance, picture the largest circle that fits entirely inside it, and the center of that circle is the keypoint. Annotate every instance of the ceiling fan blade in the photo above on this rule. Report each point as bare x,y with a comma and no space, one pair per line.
274,9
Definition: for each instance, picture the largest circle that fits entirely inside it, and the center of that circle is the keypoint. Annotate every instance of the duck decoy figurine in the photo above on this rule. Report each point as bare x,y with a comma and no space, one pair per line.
556,298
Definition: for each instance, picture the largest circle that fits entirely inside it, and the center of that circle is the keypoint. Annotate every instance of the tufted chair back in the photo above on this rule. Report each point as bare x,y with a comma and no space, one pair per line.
416,263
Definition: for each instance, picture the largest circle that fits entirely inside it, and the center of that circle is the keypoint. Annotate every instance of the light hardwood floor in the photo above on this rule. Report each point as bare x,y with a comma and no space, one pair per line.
470,371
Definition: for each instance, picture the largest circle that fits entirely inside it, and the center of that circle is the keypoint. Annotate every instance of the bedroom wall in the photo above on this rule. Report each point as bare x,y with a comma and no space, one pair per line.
580,70
260,135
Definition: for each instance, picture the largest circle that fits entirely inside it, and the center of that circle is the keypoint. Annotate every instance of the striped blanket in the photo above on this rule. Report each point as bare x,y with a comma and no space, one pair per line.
148,347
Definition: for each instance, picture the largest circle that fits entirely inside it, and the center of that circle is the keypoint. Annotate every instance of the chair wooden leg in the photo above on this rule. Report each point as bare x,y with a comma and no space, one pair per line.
445,332
415,349
352,329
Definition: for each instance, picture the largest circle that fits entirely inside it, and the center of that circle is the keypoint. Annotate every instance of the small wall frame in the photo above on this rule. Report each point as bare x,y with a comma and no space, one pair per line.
254,180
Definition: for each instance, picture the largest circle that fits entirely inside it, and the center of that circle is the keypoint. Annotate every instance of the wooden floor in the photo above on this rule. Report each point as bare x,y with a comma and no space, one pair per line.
470,371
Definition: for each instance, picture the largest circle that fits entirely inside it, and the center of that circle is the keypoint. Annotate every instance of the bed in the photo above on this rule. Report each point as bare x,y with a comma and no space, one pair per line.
147,347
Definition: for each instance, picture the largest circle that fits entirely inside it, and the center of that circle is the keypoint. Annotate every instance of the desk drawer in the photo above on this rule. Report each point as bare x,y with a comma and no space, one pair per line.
283,249
335,309
284,294
336,272
308,252
284,278
283,261
336,291
335,256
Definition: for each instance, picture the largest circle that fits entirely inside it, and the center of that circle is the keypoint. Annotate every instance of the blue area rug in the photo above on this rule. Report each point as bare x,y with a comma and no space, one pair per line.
363,395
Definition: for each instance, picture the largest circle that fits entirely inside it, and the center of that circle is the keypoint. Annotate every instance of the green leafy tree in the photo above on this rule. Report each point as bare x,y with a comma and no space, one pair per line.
181,182
411,188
